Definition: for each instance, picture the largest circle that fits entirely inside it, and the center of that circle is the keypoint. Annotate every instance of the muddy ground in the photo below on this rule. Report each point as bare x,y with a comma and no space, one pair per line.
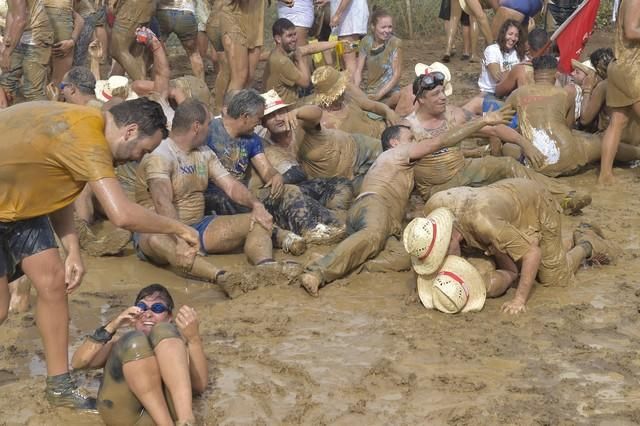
360,355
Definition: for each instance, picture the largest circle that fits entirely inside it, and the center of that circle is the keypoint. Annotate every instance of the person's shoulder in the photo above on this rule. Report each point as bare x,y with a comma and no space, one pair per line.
395,42
492,49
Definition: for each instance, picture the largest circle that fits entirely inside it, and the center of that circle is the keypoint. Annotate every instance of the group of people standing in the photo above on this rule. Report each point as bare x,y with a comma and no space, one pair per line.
322,156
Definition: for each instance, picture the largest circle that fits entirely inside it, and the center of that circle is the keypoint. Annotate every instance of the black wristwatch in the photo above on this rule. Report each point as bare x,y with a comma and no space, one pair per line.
101,335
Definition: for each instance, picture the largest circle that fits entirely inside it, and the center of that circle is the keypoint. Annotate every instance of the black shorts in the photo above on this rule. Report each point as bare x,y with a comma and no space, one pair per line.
22,239
445,13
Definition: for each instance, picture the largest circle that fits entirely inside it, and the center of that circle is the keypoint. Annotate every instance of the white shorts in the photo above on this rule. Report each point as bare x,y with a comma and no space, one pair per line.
301,14
355,19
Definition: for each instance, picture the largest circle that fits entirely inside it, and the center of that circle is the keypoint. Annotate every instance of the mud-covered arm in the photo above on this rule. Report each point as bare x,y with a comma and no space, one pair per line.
509,83
161,69
396,67
631,23
16,22
241,195
162,196
592,102
188,324
530,265
309,117
360,98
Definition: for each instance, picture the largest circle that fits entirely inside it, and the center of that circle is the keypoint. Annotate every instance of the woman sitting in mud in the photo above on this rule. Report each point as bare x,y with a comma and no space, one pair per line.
346,107
152,371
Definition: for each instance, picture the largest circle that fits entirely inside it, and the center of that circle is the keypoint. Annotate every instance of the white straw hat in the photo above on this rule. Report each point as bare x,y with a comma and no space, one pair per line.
427,240
457,287
116,85
422,69
273,102
586,66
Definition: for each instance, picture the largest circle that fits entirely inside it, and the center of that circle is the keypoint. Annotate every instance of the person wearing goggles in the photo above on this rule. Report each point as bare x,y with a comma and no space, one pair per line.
163,352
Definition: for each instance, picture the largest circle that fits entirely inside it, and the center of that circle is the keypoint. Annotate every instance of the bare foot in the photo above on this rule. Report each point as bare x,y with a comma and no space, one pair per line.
20,290
607,180
311,283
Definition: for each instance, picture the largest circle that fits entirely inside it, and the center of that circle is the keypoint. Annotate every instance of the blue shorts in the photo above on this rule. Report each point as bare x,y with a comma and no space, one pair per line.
491,103
201,227
529,8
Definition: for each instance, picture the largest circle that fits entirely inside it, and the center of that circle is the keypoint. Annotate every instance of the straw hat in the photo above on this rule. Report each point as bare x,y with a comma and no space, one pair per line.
193,88
586,66
457,287
329,84
427,240
422,69
272,102
116,85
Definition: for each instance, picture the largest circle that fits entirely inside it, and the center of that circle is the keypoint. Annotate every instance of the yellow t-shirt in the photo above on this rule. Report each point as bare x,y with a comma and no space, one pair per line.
49,151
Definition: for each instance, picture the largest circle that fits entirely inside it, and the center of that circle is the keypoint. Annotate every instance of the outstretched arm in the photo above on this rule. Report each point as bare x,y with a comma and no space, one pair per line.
367,104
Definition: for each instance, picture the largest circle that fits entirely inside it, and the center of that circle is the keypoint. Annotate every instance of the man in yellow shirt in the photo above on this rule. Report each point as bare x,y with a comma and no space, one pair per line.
49,152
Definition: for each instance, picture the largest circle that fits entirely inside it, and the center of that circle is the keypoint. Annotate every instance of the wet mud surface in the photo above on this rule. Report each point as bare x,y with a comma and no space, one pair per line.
359,354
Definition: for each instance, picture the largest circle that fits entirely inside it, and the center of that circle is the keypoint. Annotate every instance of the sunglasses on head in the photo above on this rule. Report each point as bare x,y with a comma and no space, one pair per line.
430,81
156,308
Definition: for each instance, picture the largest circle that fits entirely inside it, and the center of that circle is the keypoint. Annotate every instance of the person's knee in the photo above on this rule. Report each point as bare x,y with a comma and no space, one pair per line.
162,331
50,284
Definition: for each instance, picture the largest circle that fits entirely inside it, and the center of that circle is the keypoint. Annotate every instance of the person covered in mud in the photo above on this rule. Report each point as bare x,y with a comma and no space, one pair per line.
56,149
78,86
546,117
378,211
287,68
345,107
151,372
448,168
316,208
518,223
623,84
172,180
130,15
522,74
583,78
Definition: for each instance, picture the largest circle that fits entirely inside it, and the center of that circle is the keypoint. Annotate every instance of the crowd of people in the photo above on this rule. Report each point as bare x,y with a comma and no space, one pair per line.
328,151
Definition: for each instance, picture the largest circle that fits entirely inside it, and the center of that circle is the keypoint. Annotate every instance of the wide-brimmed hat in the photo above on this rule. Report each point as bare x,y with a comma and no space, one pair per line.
586,66
427,240
116,85
457,287
272,102
422,69
193,87
328,85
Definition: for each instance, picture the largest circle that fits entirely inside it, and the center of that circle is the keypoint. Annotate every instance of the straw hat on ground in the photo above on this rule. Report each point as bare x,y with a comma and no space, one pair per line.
422,69
457,287
328,85
272,102
427,240
586,66
116,86
193,87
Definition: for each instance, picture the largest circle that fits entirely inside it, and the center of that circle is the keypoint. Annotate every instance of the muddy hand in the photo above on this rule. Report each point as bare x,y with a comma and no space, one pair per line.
514,307
536,158
63,48
187,322
185,255
291,120
52,92
191,236
73,270
276,183
392,118
95,49
127,317
502,116
261,216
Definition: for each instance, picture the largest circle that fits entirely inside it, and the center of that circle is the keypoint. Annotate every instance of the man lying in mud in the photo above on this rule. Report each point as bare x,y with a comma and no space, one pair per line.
546,117
50,152
172,180
517,222
448,168
315,208
152,371
378,212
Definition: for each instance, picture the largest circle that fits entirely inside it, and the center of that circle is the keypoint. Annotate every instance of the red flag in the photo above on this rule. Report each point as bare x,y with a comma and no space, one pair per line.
573,34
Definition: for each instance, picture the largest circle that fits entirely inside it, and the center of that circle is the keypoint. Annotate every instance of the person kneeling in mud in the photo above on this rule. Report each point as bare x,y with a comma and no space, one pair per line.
379,210
152,371
172,180
518,223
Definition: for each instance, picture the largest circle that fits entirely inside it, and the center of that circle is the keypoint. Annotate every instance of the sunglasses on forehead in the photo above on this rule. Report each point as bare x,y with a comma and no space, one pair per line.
156,308
428,82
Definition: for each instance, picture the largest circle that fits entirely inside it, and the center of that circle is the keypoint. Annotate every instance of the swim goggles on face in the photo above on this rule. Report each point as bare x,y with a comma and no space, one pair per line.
156,308
429,81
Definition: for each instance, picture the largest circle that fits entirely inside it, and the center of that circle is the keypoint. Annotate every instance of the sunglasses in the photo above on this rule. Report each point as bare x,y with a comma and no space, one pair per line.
62,85
156,308
430,81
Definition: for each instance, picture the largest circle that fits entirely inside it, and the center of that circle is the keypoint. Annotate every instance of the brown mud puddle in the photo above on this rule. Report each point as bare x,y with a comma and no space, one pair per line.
360,355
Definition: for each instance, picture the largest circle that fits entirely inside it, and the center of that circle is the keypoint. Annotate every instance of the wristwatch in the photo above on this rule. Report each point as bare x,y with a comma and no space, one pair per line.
101,335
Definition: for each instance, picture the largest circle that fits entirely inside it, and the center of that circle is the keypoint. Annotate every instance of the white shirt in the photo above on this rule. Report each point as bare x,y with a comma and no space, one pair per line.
493,55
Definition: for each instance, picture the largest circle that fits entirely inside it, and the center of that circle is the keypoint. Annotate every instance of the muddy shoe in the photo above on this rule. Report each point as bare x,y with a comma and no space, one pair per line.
602,252
288,269
325,234
311,283
574,202
294,244
110,244
231,284
63,392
